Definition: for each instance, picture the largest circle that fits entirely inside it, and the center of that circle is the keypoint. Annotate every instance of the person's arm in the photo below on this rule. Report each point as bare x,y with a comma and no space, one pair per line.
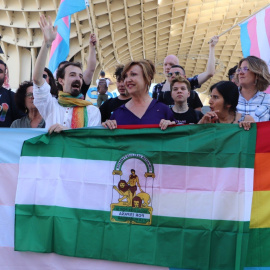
49,35
91,62
210,70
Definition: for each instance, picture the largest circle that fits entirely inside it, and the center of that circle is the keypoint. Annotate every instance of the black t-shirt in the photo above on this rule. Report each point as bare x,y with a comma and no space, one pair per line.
85,88
193,100
110,105
8,109
189,117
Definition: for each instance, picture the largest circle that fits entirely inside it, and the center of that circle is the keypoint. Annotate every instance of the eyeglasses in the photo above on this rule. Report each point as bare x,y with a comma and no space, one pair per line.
29,95
45,76
243,69
177,73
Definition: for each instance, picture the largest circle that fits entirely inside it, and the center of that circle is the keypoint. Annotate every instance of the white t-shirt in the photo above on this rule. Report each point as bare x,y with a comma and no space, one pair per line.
53,113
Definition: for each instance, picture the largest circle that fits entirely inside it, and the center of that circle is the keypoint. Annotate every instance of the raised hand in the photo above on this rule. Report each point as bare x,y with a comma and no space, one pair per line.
49,31
93,40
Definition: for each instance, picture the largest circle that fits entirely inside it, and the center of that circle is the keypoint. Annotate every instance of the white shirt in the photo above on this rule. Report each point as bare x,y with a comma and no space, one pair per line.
53,113
107,81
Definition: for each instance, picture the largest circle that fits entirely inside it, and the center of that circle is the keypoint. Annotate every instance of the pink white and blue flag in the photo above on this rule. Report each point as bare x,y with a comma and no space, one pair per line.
60,46
255,35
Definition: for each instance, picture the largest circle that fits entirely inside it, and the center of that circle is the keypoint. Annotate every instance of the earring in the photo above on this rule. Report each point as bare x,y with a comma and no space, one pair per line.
256,80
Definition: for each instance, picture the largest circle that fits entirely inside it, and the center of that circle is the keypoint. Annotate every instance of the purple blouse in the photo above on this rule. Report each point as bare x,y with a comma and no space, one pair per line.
154,113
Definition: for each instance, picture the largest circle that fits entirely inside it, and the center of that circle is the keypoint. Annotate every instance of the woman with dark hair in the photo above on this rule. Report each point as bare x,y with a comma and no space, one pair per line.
223,101
48,76
254,78
24,100
141,109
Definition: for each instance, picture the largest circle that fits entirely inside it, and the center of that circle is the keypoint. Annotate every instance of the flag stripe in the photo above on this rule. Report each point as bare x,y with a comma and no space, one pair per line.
224,150
125,239
260,210
262,175
252,31
267,27
245,40
7,214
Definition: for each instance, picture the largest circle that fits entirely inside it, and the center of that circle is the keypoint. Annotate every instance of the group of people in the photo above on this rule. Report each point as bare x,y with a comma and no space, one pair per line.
61,105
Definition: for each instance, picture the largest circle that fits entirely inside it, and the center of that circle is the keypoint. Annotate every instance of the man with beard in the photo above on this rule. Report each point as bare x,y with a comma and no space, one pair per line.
8,109
112,104
70,110
195,82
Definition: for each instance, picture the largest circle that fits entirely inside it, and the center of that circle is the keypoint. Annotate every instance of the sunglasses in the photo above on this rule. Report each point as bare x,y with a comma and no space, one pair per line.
45,76
177,73
244,70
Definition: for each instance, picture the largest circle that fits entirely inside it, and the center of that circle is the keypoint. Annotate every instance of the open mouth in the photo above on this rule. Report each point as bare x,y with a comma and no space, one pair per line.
76,84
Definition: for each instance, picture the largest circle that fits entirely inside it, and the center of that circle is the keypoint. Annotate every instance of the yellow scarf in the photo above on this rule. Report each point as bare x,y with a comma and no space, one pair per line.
79,114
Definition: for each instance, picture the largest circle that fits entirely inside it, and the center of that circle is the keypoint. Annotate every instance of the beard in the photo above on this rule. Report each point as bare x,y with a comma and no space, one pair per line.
75,91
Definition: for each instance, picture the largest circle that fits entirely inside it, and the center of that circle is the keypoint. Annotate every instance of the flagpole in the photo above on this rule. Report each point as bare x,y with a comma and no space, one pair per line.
92,29
241,22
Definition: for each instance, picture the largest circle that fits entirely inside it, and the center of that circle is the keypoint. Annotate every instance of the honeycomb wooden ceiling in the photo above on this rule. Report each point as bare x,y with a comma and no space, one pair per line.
136,29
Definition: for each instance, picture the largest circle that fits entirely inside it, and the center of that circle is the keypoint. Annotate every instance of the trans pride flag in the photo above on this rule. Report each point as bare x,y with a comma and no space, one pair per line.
60,46
255,35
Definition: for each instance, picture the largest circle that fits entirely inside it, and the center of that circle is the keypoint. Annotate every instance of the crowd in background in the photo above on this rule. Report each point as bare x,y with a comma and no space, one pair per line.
59,103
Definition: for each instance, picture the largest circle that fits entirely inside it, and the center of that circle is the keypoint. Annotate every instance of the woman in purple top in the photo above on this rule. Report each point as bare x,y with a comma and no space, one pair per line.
141,109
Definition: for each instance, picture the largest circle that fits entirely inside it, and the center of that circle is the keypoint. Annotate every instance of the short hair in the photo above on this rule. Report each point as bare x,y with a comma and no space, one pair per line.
3,63
232,71
54,90
118,73
260,69
132,170
180,79
148,70
229,91
102,73
61,63
178,66
61,71
20,95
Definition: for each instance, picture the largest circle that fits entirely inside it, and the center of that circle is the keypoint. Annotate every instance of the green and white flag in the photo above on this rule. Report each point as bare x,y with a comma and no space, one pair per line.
179,198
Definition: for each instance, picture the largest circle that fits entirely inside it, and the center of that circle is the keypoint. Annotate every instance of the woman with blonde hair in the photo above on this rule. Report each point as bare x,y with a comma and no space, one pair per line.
254,78
141,109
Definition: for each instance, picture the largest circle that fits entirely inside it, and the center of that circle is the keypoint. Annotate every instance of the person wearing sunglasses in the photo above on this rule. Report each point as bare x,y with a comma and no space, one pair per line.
254,78
25,101
49,78
193,100
232,75
195,81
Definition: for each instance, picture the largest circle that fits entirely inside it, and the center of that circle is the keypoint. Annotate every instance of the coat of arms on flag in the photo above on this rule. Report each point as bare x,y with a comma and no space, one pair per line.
134,204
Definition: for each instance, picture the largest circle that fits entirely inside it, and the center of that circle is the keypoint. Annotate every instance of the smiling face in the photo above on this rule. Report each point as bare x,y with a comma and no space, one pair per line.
134,81
246,78
180,92
169,61
216,102
72,81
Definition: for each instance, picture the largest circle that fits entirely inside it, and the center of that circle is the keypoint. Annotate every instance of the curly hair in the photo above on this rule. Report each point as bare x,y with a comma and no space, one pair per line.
260,69
148,70
118,73
20,95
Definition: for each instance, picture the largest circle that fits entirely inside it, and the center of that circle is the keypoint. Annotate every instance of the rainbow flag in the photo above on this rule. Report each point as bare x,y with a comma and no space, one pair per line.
255,36
175,199
60,46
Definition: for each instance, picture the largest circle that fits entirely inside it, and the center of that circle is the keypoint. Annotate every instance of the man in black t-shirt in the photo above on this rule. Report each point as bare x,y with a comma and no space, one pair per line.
8,109
112,104
180,91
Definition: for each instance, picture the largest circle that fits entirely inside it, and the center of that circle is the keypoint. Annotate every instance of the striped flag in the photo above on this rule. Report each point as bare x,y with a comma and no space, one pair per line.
255,35
179,198
60,46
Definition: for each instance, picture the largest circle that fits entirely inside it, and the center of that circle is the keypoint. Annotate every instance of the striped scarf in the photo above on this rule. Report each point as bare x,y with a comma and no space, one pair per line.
79,114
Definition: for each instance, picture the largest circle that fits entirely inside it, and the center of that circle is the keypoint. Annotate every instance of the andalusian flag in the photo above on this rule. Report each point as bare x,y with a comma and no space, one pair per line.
179,198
